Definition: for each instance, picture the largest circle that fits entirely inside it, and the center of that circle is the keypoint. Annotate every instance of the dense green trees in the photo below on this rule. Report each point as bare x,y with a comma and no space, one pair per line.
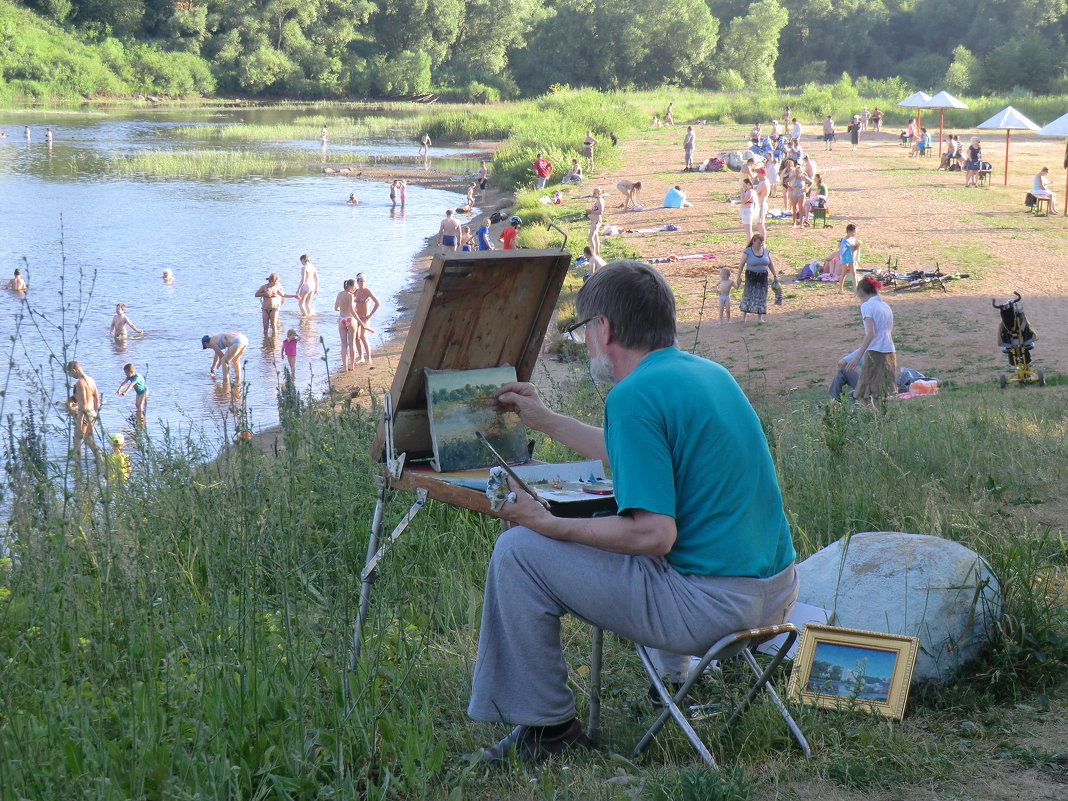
484,49
747,56
607,44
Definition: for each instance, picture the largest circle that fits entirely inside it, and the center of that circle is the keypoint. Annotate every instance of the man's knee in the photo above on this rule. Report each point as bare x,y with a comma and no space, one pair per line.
516,540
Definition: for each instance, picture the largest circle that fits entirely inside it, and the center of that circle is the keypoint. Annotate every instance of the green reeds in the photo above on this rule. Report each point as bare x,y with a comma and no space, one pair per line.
302,128
198,164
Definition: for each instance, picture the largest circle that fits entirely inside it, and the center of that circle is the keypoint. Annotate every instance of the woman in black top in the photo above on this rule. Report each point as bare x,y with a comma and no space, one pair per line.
973,162
854,131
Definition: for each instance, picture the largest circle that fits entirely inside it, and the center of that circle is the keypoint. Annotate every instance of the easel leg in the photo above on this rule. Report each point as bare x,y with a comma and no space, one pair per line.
368,577
375,554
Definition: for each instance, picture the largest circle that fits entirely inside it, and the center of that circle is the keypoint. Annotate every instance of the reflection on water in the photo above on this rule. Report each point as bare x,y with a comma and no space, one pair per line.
88,238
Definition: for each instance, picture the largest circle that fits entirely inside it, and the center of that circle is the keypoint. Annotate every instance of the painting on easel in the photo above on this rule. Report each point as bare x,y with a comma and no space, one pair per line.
459,403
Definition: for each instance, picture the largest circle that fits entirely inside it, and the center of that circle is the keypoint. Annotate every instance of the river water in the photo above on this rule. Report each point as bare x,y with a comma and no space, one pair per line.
88,238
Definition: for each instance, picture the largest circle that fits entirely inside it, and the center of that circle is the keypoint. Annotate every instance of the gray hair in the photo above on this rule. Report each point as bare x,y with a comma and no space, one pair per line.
636,299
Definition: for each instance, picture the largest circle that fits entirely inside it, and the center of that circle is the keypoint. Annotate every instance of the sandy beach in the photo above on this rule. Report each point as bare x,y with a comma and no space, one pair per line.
904,209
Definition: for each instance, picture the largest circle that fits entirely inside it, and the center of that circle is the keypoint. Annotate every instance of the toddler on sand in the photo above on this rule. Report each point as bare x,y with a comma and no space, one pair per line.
723,290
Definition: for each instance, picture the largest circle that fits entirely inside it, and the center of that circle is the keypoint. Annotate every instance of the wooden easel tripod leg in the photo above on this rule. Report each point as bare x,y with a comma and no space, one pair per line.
375,554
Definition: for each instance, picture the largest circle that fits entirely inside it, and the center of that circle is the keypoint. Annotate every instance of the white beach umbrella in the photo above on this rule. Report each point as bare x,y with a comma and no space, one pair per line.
919,101
942,101
1008,118
1059,127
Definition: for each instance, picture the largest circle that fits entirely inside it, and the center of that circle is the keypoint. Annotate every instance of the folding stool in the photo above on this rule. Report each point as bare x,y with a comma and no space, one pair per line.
738,644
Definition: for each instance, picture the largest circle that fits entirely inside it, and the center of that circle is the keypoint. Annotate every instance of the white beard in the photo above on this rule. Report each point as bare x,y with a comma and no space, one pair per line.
601,370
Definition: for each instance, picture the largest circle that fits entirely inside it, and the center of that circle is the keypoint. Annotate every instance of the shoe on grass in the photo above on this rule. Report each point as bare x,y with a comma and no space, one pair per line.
530,745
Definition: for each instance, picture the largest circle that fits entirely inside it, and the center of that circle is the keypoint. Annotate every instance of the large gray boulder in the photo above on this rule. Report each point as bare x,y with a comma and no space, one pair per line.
911,584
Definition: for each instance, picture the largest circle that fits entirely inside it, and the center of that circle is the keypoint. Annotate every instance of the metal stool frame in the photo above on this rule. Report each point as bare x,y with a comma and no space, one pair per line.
739,643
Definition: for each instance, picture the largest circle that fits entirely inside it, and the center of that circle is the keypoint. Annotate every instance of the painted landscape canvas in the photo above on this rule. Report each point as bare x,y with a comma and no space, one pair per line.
851,671
458,405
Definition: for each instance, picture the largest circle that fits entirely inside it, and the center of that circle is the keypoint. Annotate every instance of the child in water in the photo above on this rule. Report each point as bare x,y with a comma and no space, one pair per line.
289,350
120,322
117,464
723,290
137,382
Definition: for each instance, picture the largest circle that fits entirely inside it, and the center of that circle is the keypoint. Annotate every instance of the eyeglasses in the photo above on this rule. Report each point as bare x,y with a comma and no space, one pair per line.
577,332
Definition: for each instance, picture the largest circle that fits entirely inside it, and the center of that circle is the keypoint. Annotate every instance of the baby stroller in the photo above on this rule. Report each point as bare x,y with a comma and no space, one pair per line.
1017,338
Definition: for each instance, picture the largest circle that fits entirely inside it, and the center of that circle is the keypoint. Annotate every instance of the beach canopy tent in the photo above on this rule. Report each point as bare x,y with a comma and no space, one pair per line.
1059,127
918,101
1007,119
942,101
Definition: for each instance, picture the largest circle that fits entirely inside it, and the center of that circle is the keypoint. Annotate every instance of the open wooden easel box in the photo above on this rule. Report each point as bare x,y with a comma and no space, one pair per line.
476,310
482,309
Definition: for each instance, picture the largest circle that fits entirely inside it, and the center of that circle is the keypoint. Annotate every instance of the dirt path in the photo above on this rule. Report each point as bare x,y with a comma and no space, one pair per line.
902,207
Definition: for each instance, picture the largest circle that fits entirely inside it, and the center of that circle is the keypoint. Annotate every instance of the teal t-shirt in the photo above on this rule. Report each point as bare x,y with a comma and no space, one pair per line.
684,441
138,382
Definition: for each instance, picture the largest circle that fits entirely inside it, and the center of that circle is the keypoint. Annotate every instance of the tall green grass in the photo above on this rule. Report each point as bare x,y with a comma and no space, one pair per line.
187,634
554,125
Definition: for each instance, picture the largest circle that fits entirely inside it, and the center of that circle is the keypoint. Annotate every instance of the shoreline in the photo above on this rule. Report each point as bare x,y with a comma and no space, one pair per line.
365,382
376,379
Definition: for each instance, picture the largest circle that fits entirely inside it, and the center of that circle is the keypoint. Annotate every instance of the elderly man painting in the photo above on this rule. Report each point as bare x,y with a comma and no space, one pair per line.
700,546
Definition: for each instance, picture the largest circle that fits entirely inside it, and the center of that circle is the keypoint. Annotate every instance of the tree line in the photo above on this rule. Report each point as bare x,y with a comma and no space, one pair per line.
477,50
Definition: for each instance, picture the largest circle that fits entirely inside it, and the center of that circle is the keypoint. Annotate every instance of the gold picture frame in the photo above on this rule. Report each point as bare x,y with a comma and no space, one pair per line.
839,668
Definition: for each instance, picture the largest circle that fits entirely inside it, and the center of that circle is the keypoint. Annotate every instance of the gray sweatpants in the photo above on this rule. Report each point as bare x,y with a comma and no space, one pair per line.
520,674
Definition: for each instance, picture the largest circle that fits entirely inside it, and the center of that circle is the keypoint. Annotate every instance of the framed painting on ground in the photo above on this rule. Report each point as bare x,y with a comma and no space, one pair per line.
841,668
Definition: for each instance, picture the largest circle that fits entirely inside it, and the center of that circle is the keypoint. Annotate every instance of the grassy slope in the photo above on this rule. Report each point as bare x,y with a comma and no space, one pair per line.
191,630
40,60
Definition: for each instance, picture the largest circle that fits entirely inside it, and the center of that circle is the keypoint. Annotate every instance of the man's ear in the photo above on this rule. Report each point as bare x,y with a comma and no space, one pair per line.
606,326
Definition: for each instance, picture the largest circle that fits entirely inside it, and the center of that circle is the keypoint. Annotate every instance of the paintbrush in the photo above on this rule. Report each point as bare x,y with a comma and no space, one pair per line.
511,473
